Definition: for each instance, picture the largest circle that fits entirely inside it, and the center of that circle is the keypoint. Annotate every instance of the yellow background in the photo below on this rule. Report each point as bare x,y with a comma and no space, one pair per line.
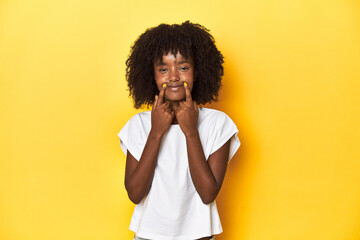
291,85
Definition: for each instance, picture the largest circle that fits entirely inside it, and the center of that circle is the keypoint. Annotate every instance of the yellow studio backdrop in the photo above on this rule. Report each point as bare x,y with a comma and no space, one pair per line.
291,85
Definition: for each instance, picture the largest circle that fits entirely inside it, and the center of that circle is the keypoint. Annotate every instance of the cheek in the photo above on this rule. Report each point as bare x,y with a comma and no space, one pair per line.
158,81
190,80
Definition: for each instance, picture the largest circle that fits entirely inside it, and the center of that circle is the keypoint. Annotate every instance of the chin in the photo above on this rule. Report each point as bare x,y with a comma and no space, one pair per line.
175,98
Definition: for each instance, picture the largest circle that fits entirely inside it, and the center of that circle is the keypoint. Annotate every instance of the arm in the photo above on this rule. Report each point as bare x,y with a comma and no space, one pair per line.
139,174
207,176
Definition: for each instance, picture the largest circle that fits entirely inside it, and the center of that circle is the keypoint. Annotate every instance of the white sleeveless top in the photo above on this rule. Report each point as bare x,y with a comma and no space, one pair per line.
173,210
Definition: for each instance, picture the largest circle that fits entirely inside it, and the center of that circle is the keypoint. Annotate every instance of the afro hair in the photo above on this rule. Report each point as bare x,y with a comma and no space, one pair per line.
191,40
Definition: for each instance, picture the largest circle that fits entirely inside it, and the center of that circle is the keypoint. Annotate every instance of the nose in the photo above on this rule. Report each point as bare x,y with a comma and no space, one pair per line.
174,76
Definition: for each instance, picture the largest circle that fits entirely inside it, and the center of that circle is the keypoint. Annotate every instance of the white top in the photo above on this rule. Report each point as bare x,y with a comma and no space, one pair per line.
173,210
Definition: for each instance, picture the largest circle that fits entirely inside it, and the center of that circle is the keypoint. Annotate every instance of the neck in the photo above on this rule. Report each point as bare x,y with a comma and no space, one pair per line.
172,104
174,121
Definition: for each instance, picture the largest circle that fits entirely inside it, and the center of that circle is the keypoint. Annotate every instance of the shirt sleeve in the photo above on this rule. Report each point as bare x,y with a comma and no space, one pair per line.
131,137
224,130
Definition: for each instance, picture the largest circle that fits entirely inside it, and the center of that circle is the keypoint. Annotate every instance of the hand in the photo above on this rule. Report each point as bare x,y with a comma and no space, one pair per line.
187,113
161,114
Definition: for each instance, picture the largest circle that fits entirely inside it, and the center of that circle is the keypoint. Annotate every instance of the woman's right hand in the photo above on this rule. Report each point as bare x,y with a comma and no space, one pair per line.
161,114
139,174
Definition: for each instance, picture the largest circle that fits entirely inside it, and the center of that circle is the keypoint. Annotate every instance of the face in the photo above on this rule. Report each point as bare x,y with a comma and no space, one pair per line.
174,71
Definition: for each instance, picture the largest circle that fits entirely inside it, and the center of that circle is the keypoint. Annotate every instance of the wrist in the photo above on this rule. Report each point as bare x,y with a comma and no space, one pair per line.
155,135
191,134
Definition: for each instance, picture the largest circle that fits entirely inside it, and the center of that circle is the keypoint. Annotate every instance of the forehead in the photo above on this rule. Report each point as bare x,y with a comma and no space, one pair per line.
170,57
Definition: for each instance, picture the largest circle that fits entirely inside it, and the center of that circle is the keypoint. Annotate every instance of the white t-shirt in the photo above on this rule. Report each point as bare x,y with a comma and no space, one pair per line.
173,210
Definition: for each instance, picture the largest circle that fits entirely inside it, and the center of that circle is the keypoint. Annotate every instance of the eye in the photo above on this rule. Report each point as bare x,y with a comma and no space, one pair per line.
162,70
184,68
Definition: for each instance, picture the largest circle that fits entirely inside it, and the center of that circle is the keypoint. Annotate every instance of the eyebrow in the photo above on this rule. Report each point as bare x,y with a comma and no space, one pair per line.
184,61
164,64
160,64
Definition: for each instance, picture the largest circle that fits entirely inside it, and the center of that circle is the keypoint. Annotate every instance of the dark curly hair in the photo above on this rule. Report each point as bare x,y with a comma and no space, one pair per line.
191,40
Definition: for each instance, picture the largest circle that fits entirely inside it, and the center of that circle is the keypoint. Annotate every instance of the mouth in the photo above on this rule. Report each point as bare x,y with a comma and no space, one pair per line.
174,87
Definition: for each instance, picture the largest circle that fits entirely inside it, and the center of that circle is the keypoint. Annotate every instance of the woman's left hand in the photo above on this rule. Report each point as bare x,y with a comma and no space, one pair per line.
187,114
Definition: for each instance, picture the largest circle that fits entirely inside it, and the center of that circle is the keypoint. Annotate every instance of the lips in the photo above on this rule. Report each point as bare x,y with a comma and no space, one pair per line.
174,88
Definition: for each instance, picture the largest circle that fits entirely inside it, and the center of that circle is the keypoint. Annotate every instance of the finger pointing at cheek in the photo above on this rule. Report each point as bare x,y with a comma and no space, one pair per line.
188,94
162,93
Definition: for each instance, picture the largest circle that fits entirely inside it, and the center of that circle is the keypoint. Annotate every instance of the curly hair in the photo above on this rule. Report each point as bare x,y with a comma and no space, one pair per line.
191,40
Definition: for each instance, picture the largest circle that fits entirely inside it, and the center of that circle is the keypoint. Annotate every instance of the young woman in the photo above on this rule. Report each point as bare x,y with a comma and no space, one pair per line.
177,153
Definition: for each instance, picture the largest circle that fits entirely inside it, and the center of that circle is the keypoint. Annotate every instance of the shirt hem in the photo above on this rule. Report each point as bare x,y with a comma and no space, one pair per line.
183,237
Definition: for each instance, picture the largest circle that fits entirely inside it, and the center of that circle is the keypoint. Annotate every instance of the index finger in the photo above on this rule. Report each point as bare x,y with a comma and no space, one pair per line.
188,94
162,93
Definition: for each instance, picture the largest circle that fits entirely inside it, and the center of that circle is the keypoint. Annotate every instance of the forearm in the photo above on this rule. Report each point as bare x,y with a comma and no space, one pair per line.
201,174
138,183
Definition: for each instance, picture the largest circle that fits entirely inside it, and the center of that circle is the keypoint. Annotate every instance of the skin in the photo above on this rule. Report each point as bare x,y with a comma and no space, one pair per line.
174,105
